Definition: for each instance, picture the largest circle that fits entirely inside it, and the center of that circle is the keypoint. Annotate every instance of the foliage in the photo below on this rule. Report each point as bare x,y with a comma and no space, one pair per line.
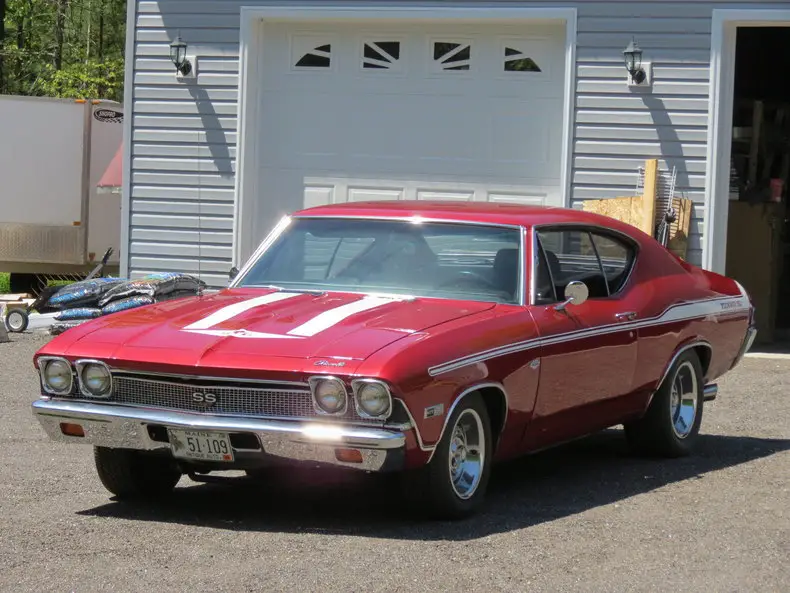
63,48
59,283
5,283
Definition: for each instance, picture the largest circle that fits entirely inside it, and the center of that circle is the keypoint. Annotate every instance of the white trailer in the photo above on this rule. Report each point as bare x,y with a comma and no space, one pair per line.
53,152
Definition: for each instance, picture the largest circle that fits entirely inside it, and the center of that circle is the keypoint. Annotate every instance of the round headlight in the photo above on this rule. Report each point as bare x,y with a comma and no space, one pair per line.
373,399
57,376
96,379
330,395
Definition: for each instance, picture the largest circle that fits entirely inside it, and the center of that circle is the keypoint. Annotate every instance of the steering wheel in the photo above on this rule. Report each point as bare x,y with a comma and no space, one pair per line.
468,276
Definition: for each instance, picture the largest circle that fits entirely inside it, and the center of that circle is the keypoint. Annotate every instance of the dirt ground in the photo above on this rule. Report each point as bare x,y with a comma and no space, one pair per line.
586,517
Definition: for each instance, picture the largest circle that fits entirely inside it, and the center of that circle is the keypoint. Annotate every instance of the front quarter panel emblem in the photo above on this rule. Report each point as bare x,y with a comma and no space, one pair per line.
434,411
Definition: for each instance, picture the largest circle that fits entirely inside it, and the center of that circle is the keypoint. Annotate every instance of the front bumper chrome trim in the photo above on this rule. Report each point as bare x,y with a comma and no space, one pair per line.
128,427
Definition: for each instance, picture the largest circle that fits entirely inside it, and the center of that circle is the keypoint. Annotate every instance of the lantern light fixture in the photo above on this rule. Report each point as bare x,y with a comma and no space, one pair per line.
632,56
178,55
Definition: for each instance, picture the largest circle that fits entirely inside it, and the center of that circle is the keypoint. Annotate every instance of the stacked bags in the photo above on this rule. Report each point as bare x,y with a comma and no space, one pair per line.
89,299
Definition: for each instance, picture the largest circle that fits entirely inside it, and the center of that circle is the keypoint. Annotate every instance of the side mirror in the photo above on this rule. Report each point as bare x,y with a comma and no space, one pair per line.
234,271
576,293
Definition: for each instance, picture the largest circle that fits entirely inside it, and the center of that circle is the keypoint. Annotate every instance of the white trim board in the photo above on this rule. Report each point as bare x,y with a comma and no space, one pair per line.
250,79
720,106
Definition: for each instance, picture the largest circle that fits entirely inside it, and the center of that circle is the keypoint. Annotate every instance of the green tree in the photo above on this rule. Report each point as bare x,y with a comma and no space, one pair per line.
63,48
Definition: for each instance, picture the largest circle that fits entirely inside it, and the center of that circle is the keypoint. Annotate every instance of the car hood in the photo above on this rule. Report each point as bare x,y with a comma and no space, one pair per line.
252,328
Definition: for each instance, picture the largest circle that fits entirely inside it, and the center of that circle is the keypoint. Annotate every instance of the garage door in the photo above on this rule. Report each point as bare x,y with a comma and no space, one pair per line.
368,111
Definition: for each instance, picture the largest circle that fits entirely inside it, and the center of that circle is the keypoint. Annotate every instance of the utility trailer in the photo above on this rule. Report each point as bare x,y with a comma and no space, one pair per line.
54,219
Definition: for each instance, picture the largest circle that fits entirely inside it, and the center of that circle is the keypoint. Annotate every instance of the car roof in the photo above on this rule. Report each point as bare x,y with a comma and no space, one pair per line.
480,212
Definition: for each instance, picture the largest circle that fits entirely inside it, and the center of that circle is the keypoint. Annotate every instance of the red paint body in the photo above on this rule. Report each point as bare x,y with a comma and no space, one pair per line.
580,386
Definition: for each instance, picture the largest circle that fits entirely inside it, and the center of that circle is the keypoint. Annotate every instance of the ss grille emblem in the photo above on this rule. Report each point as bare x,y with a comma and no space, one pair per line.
203,397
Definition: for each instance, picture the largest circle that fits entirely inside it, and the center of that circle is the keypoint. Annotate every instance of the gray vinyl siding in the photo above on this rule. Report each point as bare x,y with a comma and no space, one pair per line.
183,147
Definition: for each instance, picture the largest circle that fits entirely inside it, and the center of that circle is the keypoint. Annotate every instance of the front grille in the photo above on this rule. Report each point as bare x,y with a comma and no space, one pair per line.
272,401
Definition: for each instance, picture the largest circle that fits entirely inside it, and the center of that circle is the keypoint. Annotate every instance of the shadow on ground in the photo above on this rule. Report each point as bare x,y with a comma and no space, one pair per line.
559,483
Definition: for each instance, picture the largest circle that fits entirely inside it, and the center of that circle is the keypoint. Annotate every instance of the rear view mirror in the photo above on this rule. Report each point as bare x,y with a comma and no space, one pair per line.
576,293
234,271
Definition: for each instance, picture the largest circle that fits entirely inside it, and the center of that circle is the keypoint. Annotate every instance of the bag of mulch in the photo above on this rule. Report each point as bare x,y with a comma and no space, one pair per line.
78,313
59,327
83,293
128,303
155,286
176,294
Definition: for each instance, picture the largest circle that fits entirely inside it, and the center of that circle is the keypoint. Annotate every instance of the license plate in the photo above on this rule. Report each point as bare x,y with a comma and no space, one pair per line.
200,444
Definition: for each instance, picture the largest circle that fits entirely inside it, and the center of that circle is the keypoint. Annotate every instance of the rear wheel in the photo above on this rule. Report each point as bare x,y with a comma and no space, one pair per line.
453,485
671,425
131,474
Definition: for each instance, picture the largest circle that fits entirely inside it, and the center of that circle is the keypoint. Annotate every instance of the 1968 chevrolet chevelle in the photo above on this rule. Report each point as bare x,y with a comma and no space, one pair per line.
428,338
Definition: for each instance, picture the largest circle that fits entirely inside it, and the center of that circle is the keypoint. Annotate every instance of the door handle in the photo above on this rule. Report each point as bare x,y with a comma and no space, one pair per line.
627,316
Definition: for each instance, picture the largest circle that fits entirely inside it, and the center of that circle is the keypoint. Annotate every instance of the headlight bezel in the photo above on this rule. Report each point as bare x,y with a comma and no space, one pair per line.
315,381
81,365
43,364
357,385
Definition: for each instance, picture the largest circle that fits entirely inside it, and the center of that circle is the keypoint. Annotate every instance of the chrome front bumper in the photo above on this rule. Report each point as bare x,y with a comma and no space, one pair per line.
145,429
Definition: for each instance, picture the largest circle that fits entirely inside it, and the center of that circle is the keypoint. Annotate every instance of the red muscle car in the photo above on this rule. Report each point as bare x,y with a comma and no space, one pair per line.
427,338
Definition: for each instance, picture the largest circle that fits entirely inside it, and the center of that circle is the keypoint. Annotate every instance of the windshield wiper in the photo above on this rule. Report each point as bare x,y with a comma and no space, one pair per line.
282,289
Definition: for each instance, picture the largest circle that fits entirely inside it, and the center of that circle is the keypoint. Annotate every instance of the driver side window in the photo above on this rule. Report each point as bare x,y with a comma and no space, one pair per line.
574,254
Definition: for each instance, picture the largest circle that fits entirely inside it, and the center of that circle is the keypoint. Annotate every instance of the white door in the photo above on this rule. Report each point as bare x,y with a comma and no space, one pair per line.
377,111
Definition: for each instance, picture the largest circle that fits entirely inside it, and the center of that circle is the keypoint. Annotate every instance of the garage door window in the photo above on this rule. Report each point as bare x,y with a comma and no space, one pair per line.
380,55
517,61
452,56
318,57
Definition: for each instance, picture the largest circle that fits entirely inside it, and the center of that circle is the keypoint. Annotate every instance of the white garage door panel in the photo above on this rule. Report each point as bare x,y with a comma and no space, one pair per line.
333,131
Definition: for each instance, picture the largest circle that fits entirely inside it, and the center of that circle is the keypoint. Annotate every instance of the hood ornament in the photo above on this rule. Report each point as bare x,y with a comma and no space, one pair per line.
327,363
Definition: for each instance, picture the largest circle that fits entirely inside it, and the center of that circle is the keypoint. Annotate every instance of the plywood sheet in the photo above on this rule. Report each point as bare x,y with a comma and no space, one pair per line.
630,209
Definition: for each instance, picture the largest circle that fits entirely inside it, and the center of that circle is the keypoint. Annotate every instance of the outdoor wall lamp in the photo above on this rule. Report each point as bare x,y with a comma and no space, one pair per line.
633,62
178,55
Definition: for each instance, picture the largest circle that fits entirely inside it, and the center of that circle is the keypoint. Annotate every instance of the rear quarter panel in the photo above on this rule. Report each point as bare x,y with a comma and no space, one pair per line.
685,305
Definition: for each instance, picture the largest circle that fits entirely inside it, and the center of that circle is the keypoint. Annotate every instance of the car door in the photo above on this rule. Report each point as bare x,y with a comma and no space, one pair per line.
588,352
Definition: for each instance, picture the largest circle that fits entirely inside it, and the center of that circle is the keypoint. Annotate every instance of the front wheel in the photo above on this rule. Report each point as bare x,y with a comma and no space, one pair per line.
670,426
454,483
133,475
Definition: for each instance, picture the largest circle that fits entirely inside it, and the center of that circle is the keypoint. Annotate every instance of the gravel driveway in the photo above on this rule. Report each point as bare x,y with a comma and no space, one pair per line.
586,517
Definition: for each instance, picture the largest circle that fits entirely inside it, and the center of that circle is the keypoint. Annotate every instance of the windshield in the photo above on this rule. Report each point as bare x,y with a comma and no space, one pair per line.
429,259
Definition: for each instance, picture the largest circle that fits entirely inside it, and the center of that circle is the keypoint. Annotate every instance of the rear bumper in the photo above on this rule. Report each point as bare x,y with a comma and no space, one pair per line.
255,441
748,340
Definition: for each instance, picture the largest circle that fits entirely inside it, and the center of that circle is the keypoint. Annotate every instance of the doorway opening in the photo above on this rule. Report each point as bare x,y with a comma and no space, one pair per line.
758,233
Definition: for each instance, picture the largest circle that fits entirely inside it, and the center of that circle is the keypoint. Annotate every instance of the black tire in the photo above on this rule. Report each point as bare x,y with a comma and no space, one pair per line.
432,487
657,432
133,475
16,320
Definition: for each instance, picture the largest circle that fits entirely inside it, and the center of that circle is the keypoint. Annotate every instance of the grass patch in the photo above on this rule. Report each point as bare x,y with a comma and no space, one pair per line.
59,283
5,283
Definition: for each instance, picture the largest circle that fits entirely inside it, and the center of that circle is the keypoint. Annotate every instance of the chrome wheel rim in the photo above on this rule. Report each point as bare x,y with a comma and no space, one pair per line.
15,321
683,400
467,454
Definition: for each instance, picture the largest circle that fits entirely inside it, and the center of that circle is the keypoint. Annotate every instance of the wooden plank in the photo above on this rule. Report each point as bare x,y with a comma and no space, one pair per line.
14,297
680,229
649,194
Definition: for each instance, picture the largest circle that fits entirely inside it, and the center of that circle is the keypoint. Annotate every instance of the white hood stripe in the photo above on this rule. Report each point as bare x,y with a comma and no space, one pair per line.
332,317
238,333
235,309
